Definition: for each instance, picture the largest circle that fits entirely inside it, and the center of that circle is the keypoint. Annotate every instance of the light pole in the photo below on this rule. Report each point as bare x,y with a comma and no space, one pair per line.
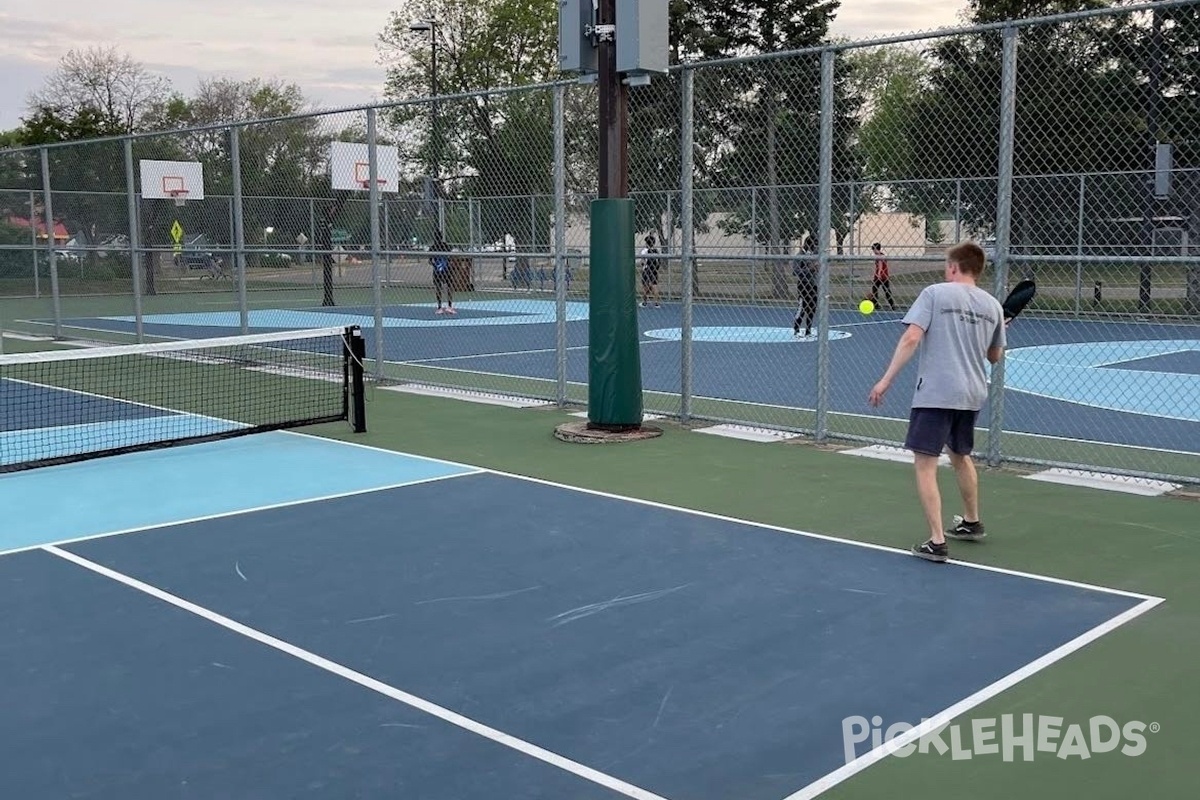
430,26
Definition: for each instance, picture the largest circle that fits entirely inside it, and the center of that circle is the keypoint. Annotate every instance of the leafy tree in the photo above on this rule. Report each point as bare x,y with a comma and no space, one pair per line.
283,160
87,178
773,125
889,80
1078,110
19,173
493,145
698,30
1171,55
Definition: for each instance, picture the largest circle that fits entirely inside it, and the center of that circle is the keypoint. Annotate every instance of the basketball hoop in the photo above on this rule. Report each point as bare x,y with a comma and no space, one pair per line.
366,185
175,187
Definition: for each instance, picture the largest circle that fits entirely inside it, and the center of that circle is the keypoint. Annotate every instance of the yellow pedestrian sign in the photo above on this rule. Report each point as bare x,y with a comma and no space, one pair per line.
177,236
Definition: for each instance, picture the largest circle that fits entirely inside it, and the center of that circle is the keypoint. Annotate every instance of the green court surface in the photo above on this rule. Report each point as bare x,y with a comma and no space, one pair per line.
1142,671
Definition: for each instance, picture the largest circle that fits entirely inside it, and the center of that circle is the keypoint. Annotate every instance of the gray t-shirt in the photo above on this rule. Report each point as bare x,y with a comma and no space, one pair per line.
961,323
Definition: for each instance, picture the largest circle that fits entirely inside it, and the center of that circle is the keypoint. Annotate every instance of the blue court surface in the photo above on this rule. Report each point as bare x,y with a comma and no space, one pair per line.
51,422
287,616
1071,379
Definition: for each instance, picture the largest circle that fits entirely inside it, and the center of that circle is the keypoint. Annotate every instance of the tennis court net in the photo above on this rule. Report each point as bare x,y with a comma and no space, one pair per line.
70,405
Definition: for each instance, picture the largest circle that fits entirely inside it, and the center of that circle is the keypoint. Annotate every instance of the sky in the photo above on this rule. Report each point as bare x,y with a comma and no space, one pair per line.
327,48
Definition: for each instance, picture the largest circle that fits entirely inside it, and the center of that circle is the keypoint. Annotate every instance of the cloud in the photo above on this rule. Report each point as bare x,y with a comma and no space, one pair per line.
871,19
20,79
329,50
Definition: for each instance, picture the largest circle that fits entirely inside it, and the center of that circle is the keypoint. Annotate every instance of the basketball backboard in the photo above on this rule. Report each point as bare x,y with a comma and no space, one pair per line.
172,180
350,167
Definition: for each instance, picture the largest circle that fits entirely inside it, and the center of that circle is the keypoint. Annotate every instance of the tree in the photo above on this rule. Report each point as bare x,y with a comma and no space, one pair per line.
103,80
890,81
698,30
282,159
494,146
773,125
87,177
20,172
1172,44
1077,111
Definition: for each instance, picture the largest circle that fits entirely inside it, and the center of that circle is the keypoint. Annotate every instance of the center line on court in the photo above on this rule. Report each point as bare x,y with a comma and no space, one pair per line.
554,759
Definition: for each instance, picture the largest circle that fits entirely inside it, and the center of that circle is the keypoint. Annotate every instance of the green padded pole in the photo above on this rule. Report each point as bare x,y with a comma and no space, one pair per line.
614,358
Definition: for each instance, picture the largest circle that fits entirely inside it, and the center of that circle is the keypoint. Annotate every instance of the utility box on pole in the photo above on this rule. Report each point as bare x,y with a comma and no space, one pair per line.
576,44
643,29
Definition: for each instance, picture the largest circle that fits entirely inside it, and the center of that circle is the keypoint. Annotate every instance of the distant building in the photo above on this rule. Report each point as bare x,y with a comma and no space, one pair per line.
60,230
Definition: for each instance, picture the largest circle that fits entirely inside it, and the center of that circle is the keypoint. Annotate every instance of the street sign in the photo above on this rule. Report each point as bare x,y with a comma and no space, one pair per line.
339,235
177,235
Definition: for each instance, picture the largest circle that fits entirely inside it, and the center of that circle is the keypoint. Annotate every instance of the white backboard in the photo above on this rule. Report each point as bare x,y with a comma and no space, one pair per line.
161,178
350,168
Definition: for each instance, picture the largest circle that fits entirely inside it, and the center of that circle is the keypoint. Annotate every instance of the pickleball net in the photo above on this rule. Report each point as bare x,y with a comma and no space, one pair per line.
70,405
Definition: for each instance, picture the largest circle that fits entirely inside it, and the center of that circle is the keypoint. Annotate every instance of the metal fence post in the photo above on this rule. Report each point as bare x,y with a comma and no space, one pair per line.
376,285
687,238
560,246
239,227
48,216
825,222
958,210
135,225
37,287
1079,246
312,238
1008,104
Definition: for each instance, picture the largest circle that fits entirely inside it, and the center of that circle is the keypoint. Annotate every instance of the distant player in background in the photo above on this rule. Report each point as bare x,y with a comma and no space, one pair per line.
440,261
882,278
804,267
651,266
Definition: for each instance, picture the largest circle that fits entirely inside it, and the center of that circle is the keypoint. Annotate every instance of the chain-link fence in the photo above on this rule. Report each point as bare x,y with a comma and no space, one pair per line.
1068,146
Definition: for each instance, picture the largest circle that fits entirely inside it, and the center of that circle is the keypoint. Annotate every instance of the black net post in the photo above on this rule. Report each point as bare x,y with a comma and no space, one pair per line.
356,353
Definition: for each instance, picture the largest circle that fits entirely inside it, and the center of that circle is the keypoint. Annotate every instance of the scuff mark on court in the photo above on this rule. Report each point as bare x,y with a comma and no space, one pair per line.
370,619
662,706
595,608
496,596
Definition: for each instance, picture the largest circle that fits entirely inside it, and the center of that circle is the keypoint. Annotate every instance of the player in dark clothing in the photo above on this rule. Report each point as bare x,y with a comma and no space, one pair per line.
805,269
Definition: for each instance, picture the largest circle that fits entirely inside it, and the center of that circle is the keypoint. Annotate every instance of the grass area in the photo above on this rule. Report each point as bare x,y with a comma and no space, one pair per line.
1141,671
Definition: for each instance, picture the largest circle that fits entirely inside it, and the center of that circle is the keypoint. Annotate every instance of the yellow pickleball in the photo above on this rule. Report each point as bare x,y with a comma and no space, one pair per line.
866,306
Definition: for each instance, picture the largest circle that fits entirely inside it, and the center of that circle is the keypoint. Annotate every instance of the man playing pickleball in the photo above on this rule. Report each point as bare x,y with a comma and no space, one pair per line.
959,328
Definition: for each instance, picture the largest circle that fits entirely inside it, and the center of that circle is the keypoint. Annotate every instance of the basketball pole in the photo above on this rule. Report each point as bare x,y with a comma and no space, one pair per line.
614,355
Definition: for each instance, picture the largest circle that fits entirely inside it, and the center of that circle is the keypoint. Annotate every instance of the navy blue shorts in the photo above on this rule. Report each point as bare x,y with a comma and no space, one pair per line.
932,429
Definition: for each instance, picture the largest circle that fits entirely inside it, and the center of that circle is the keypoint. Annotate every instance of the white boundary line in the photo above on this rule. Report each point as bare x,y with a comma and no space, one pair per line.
490,355
239,512
444,714
1086,404
171,347
749,523
473,470
859,764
